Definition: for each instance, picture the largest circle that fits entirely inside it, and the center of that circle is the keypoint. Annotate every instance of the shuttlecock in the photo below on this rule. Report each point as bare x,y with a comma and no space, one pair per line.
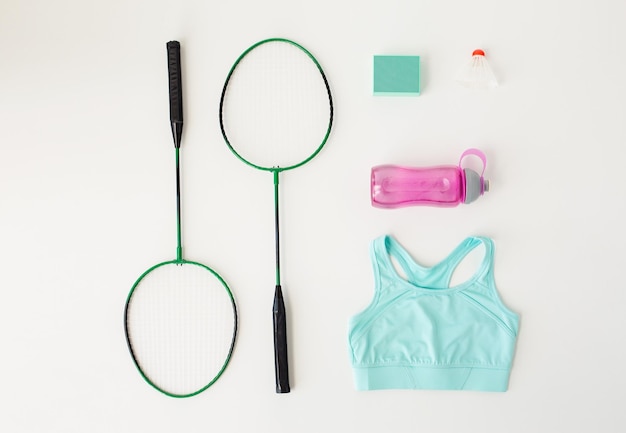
477,73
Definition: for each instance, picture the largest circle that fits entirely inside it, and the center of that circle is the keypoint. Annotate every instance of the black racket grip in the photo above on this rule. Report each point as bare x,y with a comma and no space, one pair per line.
280,343
176,90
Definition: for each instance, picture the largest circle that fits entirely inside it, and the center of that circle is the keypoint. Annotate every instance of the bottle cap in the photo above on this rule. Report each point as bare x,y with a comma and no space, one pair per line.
475,185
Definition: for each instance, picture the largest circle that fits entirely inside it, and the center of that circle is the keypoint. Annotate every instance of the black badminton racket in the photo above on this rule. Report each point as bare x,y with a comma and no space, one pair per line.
276,113
180,318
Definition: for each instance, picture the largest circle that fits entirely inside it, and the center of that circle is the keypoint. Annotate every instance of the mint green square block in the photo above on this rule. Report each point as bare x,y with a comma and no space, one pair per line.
397,75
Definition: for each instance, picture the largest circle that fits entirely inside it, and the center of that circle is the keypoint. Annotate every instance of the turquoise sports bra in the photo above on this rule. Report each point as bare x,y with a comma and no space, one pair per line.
420,333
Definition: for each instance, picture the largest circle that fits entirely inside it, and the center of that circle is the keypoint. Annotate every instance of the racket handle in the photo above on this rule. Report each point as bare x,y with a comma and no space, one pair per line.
176,90
280,343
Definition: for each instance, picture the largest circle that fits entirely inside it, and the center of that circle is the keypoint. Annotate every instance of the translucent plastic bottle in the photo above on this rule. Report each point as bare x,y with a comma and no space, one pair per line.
394,186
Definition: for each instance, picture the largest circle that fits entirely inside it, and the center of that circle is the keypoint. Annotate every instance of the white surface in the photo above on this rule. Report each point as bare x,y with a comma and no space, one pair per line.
87,195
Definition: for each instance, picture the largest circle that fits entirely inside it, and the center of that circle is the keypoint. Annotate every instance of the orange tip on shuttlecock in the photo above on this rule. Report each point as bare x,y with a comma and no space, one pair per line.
477,73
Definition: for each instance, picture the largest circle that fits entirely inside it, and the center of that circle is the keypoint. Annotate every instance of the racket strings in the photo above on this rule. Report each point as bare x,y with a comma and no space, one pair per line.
180,324
276,109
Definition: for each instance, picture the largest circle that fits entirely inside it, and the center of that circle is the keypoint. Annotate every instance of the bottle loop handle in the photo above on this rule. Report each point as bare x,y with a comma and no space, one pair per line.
475,152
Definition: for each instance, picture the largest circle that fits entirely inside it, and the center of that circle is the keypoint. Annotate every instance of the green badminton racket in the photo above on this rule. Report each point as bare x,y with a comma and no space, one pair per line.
276,113
180,318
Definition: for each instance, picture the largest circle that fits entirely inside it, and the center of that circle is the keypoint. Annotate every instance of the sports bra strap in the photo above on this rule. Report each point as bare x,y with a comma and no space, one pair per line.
460,252
389,247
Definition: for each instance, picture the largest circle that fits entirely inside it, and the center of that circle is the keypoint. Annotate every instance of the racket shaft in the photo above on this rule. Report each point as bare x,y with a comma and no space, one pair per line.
280,343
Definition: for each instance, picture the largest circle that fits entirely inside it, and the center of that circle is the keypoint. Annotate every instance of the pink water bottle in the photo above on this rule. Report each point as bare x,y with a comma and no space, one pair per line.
396,186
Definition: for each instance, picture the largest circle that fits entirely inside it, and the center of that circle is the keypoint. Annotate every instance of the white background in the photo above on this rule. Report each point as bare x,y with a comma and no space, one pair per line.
87,204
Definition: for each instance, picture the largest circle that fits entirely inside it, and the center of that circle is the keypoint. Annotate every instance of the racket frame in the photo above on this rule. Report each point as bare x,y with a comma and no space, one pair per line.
279,313
176,121
276,169
144,375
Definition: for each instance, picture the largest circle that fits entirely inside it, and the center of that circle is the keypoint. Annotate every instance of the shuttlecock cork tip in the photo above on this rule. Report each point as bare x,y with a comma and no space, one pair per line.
478,53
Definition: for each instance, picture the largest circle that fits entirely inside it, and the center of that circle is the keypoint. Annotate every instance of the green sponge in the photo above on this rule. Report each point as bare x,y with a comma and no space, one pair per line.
397,75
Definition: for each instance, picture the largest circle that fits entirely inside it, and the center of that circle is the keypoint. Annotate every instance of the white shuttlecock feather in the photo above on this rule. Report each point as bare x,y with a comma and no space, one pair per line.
477,73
